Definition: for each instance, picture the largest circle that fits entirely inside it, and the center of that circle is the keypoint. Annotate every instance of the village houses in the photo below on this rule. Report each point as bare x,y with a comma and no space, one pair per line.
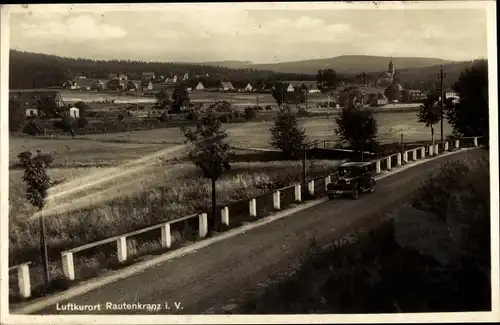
200,86
148,75
225,86
146,85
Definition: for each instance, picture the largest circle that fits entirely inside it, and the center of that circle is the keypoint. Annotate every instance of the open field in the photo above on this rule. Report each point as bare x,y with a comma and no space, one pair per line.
113,148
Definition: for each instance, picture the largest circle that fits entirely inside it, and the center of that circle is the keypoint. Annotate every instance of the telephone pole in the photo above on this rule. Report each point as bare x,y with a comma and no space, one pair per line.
306,89
442,75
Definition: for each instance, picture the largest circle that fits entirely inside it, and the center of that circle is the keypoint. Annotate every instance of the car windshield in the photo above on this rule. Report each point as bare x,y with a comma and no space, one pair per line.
347,172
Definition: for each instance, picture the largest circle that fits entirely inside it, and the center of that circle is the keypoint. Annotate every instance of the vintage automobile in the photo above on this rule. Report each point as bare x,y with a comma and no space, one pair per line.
354,178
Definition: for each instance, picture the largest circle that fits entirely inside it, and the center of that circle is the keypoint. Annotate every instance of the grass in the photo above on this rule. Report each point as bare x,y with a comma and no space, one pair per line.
133,201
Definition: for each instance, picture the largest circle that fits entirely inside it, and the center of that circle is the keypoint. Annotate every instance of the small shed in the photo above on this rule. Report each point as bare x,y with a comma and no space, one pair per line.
74,112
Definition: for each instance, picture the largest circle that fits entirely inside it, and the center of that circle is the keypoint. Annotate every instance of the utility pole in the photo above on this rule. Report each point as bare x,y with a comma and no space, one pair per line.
402,144
306,89
43,248
304,169
328,106
442,75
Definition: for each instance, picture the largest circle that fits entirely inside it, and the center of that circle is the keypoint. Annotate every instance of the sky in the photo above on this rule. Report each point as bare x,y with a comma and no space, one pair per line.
265,34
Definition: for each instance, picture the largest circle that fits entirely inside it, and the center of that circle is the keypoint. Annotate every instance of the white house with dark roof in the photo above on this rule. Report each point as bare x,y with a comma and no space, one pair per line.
199,86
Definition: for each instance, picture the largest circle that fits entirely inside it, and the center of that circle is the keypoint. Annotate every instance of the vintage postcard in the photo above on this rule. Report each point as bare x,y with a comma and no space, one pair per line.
269,162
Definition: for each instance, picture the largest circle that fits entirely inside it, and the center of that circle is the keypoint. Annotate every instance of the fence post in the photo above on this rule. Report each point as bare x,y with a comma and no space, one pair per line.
298,194
405,156
378,167
121,249
24,281
399,159
475,142
328,180
225,216
276,200
422,152
310,187
202,225
431,150
457,144
436,149
446,146
166,237
415,157
253,208
389,163
68,265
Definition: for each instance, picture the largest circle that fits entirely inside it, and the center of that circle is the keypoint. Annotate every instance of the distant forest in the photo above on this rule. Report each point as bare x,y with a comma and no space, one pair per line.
427,77
34,70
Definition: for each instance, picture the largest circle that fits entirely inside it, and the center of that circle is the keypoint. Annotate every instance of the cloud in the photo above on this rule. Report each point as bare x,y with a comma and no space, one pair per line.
80,28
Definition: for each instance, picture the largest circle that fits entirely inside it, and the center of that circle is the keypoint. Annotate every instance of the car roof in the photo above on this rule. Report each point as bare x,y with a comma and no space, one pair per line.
355,164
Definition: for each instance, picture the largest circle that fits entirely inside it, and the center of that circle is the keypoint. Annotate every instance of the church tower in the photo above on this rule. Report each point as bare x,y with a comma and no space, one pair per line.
392,71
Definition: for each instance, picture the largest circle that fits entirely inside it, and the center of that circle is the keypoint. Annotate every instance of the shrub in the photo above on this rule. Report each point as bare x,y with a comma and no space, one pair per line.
32,127
303,112
82,122
268,108
193,116
226,118
250,113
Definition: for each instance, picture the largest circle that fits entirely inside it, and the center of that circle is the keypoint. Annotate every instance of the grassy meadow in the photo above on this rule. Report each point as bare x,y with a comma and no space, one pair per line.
114,148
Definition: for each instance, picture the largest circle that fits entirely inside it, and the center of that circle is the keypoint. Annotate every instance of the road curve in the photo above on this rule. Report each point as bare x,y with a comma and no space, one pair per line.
207,280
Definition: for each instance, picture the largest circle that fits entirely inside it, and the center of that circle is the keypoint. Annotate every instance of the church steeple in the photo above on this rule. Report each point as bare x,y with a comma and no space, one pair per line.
392,70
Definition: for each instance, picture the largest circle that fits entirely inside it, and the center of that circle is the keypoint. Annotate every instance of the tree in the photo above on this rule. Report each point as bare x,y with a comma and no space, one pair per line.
47,107
16,116
392,92
280,93
37,184
82,108
470,116
65,124
209,151
326,79
163,101
430,113
180,98
358,128
287,135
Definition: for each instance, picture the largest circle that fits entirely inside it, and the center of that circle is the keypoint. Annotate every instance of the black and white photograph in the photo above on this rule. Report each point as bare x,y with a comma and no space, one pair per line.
232,162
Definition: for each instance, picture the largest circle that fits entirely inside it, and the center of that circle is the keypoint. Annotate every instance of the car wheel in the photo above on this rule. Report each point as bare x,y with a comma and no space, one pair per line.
330,196
372,189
